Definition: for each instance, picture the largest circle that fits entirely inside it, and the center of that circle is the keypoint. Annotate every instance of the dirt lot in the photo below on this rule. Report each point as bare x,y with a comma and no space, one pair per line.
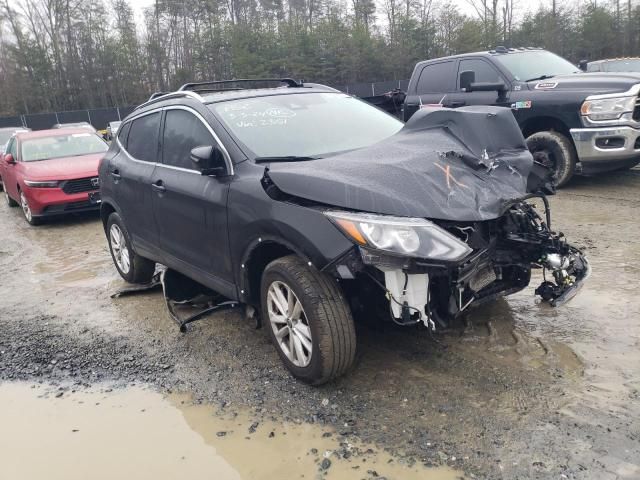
526,391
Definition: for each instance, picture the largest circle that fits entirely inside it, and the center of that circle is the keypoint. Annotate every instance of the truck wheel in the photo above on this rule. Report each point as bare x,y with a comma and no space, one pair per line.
308,320
556,151
131,266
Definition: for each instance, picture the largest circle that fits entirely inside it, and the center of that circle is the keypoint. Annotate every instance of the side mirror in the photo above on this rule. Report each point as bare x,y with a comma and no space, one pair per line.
209,160
466,79
487,87
9,159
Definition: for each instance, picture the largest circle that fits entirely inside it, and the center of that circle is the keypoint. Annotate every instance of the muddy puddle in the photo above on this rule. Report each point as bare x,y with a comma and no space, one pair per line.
138,433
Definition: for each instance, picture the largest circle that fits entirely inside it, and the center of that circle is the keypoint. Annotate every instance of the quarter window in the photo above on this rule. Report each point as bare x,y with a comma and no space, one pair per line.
437,78
484,72
11,147
123,133
183,131
142,142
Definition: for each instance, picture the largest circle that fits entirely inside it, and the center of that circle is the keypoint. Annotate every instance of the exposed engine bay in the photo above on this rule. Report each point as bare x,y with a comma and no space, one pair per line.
502,254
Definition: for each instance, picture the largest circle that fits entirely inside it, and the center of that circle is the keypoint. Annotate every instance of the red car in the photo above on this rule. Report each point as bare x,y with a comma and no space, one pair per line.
52,172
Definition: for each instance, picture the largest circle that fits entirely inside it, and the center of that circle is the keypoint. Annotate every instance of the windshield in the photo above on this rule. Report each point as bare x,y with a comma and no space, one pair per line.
525,66
629,65
59,146
305,125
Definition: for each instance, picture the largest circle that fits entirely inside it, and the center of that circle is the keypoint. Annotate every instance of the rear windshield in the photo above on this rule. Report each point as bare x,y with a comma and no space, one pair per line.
70,145
306,124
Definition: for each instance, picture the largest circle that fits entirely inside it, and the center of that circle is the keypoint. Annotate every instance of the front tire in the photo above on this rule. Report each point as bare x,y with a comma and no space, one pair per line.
26,210
10,201
308,320
131,266
556,152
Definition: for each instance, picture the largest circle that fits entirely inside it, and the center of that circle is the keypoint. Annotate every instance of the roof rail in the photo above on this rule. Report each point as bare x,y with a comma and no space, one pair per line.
159,96
290,82
156,95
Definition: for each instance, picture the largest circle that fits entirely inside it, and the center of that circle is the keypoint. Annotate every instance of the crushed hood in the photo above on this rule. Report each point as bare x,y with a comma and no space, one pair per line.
466,164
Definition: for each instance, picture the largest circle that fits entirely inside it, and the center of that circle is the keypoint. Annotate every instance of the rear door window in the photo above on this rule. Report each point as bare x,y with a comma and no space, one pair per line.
183,131
142,142
437,78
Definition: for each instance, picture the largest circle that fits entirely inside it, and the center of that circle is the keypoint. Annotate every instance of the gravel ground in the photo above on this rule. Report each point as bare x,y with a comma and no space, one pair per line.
525,391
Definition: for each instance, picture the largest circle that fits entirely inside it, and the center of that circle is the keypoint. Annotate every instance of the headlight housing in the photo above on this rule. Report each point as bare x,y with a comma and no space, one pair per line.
42,184
411,237
604,109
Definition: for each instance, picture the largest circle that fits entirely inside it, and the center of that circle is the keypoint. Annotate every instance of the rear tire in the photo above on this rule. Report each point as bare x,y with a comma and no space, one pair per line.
323,320
559,151
131,266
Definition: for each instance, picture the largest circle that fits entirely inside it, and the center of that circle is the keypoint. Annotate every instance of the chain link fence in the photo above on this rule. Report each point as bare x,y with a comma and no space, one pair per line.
100,117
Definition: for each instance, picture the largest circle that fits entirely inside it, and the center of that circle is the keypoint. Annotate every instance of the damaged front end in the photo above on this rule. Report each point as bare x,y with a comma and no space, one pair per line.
450,221
431,272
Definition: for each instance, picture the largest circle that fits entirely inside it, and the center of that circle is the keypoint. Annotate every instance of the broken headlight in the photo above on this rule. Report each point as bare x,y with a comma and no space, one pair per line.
413,237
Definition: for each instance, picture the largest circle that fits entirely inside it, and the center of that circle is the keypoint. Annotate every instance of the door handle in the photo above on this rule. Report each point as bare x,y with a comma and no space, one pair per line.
159,186
115,174
456,104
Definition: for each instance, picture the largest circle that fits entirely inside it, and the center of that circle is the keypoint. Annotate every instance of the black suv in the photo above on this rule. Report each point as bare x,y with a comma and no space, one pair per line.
574,122
315,207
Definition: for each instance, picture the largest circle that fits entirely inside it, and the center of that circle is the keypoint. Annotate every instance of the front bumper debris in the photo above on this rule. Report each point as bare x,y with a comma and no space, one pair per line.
505,251
570,273
180,291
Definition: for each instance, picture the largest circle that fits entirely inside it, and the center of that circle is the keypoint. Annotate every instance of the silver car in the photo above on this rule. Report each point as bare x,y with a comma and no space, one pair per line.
112,130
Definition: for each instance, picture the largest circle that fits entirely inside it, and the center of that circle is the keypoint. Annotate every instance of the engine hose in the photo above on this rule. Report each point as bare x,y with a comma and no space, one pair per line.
545,200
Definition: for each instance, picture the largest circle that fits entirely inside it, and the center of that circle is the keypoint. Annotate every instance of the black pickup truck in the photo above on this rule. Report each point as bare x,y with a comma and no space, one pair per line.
574,122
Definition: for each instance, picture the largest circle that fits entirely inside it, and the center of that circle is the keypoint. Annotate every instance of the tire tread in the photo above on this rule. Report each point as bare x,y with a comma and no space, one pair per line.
142,269
565,144
337,336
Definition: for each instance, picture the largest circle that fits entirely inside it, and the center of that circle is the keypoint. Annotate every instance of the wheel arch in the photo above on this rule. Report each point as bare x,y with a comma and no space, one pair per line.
258,255
545,124
106,209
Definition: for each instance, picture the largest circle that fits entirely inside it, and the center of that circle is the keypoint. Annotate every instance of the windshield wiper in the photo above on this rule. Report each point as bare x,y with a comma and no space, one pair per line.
284,158
541,77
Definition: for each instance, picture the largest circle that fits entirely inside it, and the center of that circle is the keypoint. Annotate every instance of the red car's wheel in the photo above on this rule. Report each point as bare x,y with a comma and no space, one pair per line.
10,201
26,209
